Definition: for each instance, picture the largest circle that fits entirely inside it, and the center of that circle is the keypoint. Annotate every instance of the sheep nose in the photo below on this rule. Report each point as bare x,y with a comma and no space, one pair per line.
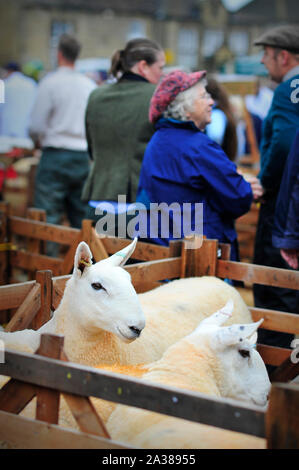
135,330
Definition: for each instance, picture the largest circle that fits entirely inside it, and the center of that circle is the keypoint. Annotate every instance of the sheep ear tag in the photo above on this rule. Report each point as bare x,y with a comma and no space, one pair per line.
121,257
83,259
221,316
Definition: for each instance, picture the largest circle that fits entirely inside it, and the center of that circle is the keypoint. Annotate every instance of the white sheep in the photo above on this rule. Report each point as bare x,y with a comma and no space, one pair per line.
214,360
100,313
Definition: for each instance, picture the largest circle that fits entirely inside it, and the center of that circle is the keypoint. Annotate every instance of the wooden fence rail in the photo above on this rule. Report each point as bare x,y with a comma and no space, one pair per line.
34,300
45,377
87,381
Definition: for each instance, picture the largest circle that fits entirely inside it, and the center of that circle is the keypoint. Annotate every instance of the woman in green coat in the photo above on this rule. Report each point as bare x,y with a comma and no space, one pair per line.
117,123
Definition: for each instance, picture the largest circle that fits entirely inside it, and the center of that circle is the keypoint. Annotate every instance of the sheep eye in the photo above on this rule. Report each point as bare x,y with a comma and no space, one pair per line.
244,352
97,286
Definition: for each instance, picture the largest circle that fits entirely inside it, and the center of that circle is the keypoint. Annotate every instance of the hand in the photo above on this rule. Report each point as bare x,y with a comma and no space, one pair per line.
256,186
291,257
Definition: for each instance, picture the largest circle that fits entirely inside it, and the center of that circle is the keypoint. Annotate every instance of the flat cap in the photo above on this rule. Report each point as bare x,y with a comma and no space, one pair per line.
285,37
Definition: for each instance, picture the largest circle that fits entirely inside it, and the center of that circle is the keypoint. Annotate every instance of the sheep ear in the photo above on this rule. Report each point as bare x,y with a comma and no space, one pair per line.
83,259
235,334
122,256
221,316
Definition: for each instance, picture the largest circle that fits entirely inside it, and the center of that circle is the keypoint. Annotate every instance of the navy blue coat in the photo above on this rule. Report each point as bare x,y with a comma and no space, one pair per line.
286,223
279,131
181,164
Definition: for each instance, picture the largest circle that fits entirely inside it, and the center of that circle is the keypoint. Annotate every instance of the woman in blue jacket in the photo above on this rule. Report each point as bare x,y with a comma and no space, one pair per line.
183,166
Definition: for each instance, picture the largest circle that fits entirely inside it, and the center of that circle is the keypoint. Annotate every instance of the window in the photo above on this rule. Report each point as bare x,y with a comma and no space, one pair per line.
136,30
212,41
188,44
238,42
57,29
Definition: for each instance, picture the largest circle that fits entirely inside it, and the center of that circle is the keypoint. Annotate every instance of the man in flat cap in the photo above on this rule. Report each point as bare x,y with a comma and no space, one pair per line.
281,58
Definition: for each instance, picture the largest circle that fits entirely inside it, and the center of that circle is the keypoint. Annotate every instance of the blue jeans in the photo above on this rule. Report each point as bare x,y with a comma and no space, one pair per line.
59,181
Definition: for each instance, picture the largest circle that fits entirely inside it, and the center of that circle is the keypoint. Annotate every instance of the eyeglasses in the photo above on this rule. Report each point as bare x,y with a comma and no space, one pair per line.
206,96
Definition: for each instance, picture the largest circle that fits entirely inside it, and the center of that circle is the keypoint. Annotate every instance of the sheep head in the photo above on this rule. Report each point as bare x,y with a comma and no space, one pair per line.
101,295
239,368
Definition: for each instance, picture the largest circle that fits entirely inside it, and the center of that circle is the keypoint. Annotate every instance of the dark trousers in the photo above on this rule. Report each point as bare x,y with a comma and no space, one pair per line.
59,181
275,298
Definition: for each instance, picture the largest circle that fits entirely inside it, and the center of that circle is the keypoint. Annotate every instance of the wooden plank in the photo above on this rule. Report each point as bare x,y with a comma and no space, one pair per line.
97,247
273,355
276,320
84,412
154,270
86,415
258,274
44,278
86,234
251,217
35,262
225,250
58,285
175,249
207,258
24,433
87,381
68,260
35,245
282,417
15,395
26,311
143,274
47,405
243,87
143,251
251,136
12,296
200,261
287,371
31,184
42,230
146,286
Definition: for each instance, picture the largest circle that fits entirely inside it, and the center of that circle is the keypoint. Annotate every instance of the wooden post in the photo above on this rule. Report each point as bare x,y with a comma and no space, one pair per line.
15,395
86,231
26,312
254,152
93,241
68,262
287,371
44,278
200,261
282,417
97,247
175,248
225,251
47,406
31,184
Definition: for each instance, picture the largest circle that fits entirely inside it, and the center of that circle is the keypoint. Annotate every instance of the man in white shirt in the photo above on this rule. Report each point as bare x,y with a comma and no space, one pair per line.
19,95
57,126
